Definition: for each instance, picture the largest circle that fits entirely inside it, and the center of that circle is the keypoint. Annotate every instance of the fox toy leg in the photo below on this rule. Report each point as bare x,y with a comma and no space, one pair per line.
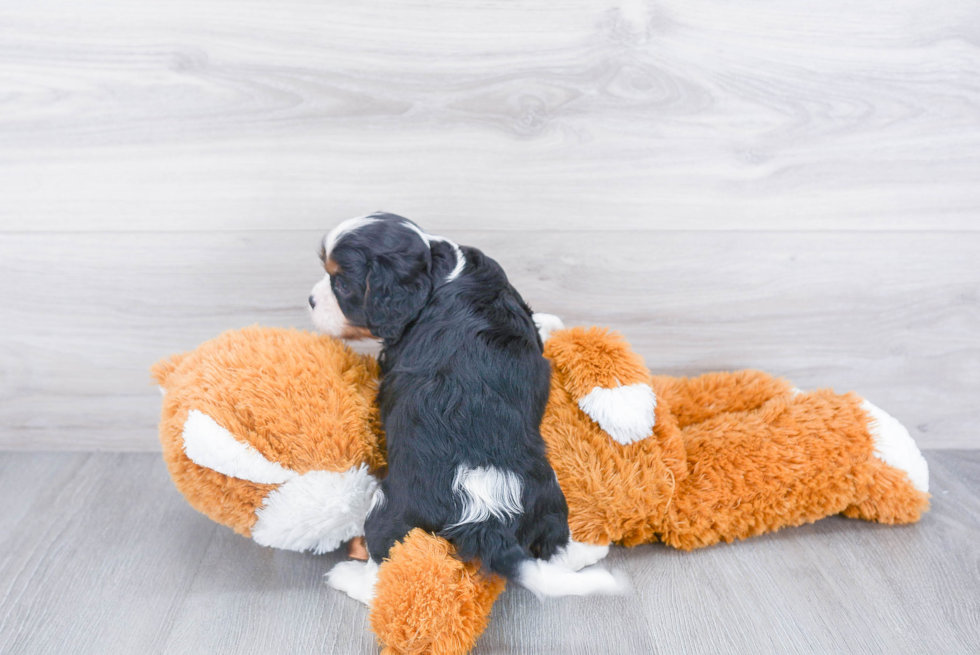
696,399
794,460
428,602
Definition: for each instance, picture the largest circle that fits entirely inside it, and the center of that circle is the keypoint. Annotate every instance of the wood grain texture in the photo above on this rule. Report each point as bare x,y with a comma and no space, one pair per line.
894,316
249,599
95,556
100,554
596,115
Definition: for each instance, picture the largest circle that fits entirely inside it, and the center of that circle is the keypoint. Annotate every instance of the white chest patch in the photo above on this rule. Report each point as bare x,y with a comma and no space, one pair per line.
378,500
487,491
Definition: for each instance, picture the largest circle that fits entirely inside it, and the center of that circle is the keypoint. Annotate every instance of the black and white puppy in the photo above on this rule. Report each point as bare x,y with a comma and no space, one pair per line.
463,390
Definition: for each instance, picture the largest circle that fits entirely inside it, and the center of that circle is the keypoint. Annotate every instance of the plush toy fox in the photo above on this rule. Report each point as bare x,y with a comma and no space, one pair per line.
274,433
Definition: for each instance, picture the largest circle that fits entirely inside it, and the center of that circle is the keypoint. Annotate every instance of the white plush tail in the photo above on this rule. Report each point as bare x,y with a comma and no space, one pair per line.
544,579
895,446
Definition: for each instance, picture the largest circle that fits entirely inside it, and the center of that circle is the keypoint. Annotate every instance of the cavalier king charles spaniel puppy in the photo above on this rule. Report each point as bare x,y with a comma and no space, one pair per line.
463,390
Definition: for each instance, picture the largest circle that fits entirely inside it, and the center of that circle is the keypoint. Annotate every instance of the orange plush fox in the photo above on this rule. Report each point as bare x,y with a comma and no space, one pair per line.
273,433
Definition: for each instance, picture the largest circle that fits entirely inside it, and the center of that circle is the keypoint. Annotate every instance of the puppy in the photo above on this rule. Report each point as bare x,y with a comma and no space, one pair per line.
463,390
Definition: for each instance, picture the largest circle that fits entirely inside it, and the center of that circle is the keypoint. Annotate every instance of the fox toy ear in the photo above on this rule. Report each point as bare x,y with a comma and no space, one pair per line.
162,370
397,290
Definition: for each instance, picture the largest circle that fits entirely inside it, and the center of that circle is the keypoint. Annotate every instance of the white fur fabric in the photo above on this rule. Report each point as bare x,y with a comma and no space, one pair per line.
317,511
626,413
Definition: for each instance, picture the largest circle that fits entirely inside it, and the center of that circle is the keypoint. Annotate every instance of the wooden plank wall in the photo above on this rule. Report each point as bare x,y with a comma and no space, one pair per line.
790,187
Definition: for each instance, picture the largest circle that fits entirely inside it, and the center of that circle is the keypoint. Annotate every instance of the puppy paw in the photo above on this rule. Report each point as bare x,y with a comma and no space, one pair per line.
356,579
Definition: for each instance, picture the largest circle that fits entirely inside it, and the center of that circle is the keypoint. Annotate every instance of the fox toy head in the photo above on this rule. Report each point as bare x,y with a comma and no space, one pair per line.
274,433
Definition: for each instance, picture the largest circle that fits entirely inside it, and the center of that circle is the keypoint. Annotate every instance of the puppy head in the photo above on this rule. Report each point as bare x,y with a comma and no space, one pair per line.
378,278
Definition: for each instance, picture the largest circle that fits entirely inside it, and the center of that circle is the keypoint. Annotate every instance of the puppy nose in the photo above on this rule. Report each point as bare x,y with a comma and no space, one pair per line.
312,302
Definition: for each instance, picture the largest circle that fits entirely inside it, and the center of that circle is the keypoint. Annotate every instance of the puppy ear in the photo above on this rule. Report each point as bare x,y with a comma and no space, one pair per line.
395,294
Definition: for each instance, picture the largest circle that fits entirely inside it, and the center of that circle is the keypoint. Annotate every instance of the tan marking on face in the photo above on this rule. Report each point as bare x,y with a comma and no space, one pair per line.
356,332
332,266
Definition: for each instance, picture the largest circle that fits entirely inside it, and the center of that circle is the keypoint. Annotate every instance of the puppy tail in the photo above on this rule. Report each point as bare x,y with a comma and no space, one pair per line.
550,578
546,579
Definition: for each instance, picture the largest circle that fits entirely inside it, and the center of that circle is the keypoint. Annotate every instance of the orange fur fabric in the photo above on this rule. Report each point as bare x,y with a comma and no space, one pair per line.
730,455
258,422
745,454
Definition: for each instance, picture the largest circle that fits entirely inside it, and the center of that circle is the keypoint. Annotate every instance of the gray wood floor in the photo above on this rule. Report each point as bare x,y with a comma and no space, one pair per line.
100,554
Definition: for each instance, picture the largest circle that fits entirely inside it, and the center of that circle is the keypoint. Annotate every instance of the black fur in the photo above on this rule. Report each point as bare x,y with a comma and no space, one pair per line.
464,382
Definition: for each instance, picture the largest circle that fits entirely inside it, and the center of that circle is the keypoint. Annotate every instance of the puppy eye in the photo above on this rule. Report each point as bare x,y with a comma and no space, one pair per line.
340,286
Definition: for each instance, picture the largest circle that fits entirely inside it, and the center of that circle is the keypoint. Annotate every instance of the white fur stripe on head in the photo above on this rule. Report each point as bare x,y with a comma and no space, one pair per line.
895,446
487,491
209,445
317,511
428,238
626,413
346,227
